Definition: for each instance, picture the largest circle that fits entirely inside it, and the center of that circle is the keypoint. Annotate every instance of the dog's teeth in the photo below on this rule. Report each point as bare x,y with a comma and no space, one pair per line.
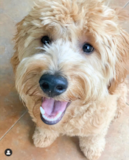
42,110
52,119
47,118
59,114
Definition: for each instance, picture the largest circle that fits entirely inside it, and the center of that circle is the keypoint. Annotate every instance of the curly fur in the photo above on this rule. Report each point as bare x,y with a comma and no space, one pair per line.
97,87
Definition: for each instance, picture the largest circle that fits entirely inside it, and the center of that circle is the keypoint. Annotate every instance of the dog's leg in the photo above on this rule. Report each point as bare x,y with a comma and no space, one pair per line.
122,100
43,138
92,146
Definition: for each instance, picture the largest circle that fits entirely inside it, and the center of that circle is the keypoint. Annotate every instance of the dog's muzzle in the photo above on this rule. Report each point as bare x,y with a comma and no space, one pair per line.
51,110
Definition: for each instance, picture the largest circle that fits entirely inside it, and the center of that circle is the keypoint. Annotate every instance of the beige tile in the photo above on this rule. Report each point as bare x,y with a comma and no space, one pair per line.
10,108
7,26
1,6
2,49
15,9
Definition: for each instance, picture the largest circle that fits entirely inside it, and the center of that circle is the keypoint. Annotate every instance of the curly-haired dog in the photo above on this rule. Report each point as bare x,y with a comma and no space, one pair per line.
70,69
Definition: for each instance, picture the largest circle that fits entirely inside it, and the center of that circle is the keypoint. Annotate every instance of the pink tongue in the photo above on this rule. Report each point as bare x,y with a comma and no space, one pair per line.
51,106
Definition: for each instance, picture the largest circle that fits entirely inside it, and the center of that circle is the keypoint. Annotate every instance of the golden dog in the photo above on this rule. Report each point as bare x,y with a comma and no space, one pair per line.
70,68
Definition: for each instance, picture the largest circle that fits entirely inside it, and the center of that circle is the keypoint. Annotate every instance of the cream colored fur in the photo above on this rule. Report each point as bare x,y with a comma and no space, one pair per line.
97,88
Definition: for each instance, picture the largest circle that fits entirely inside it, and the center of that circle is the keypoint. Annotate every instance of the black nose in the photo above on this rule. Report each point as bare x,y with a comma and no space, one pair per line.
53,85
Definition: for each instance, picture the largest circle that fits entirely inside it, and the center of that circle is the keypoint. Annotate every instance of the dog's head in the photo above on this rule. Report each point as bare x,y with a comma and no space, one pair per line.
69,52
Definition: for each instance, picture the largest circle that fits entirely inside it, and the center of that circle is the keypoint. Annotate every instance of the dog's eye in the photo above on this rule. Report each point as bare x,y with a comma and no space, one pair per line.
87,48
45,40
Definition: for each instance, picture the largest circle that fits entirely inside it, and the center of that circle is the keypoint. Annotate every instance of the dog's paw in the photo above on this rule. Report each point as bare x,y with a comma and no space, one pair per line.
41,142
92,147
91,153
43,138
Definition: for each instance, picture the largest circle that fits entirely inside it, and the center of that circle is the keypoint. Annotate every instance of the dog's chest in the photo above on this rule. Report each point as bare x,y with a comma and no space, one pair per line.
92,121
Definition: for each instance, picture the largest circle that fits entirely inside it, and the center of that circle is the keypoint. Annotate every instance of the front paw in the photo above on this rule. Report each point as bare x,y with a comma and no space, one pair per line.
92,154
92,148
43,138
41,141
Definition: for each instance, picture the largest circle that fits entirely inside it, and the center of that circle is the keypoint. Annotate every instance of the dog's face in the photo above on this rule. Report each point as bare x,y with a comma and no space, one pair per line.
67,51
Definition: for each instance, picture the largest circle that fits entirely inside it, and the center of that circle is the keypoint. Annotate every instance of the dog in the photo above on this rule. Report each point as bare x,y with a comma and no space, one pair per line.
70,70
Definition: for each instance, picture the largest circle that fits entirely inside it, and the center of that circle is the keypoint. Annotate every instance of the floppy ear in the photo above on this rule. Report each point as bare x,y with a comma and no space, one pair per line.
15,59
122,53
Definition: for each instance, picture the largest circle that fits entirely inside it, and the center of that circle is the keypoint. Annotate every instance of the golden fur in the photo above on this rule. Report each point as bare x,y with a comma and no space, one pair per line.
97,87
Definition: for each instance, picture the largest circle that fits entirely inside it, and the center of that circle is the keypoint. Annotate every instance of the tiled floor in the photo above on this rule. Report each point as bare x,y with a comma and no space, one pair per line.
16,127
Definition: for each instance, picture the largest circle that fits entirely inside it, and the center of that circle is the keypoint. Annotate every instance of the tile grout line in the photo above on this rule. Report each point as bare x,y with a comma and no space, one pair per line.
126,5
13,125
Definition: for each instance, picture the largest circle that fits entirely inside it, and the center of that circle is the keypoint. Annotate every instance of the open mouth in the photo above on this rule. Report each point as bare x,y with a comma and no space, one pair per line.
52,111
